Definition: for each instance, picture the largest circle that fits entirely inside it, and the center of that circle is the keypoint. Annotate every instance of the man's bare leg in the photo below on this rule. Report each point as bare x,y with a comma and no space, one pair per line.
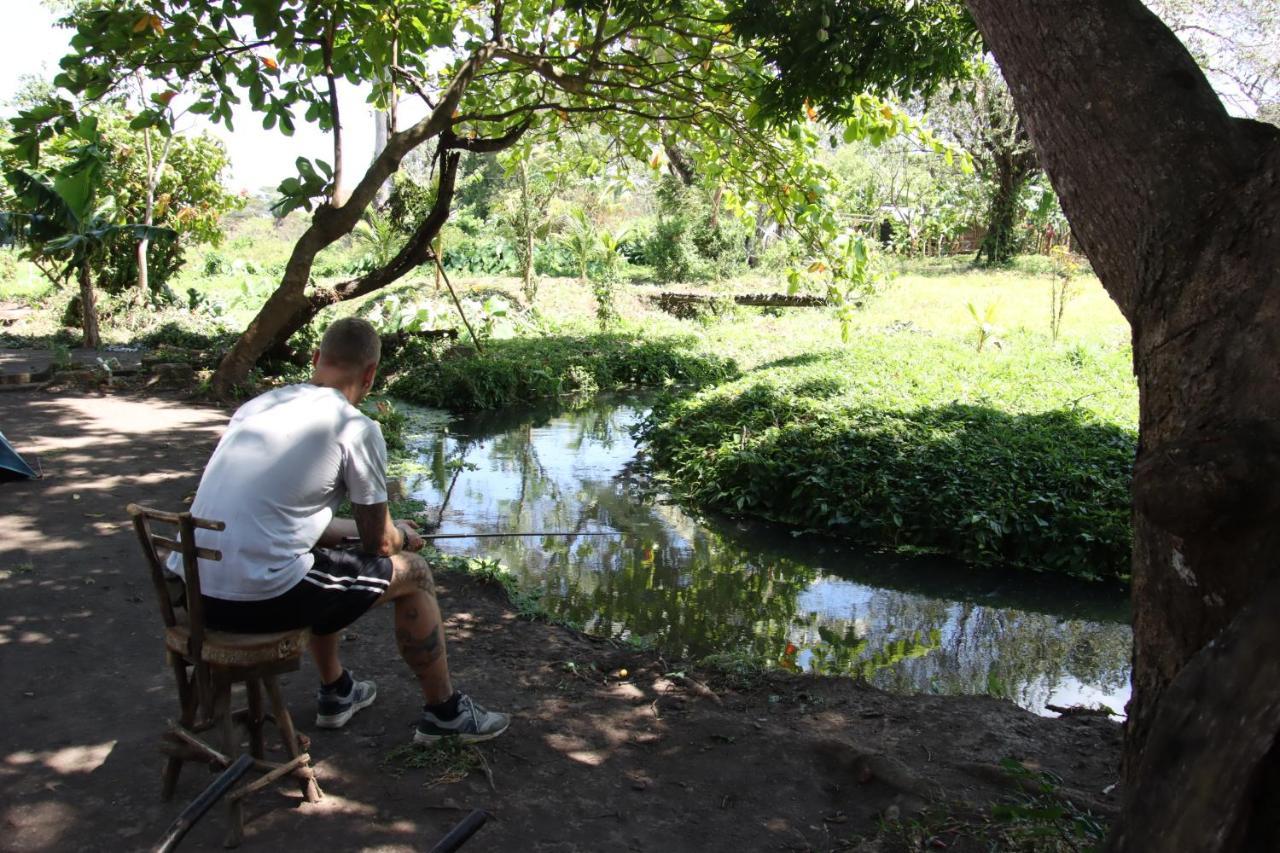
324,651
419,628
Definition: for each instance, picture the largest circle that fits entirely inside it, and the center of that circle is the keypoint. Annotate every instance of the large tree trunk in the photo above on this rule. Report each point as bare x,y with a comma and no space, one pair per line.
88,308
1177,206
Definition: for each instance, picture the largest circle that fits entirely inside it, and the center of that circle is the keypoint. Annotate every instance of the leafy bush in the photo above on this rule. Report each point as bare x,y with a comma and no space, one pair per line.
520,370
554,259
879,445
390,419
689,241
172,334
480,256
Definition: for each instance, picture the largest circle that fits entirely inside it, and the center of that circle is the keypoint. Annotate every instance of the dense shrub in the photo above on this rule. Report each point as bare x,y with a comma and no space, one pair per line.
520,370
487,255
886,450
175,335
691,240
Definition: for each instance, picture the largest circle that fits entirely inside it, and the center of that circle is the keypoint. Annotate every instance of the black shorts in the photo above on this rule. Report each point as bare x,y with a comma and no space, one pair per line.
335,592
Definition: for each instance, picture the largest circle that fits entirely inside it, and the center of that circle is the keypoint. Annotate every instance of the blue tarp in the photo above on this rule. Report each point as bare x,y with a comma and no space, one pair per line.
12,466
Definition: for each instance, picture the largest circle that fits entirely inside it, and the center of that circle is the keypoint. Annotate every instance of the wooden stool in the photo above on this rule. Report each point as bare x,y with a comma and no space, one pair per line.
207,663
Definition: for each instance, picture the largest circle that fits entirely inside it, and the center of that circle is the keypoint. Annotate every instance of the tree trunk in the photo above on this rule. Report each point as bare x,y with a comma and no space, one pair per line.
144,285
1177,205
290,316
88,308
528,284
1003,216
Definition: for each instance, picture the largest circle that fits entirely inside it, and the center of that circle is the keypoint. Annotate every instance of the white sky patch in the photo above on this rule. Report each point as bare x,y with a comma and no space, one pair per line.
259,158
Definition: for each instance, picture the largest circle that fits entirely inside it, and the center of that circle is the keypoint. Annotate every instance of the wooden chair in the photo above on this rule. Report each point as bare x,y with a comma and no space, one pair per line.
207,663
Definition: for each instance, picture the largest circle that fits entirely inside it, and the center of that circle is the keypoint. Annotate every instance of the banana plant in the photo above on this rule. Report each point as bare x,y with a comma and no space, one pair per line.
62,221
581,239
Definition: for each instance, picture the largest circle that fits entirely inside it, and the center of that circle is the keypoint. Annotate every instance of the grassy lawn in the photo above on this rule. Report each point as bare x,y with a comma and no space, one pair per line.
906,436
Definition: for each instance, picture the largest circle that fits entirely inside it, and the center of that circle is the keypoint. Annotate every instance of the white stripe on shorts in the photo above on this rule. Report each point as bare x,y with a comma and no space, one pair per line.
348,580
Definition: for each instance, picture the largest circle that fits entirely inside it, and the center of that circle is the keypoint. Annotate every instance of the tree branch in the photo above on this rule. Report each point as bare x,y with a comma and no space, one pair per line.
546,69
417,249
490,145
415,84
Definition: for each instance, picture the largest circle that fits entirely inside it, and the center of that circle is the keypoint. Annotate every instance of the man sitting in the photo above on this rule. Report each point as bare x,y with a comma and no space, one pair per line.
285,463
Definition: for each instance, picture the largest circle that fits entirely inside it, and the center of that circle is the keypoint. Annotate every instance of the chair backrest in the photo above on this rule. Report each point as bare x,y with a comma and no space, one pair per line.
154,544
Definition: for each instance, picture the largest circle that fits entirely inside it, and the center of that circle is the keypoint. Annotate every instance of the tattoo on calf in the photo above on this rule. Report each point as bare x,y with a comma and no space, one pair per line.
419,652
423,580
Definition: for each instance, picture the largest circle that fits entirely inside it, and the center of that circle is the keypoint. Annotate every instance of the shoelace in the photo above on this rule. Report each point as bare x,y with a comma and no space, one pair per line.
466,706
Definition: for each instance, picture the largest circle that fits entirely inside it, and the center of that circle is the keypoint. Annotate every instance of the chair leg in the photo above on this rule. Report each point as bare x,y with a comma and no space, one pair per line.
257,744
187,700
230,748
310,789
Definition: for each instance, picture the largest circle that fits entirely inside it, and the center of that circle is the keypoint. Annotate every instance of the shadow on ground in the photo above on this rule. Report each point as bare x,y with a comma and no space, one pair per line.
610,748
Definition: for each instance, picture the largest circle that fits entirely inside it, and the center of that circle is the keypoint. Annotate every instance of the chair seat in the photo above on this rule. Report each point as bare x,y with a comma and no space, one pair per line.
223,648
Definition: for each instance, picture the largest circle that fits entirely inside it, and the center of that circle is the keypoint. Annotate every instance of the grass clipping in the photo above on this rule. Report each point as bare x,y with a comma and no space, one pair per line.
446,763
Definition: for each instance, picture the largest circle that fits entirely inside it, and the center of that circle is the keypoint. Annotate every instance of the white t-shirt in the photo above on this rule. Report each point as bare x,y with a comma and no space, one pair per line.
285,463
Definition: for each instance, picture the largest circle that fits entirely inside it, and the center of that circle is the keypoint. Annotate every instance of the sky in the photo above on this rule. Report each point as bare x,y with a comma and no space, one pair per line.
259,157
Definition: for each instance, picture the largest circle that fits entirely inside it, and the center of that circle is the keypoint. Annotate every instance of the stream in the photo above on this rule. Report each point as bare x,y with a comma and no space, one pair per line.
699,587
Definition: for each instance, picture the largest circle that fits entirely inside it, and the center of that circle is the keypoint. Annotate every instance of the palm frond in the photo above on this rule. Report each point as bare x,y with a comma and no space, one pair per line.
36,193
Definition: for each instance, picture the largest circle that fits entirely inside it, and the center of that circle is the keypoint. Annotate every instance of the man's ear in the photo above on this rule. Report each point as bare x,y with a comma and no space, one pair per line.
315,358
369,373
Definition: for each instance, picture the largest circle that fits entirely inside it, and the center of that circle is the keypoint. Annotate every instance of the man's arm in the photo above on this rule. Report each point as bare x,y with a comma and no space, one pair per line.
339,531
378,532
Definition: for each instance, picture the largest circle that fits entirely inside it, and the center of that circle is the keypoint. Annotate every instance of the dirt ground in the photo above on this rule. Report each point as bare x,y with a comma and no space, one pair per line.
594,760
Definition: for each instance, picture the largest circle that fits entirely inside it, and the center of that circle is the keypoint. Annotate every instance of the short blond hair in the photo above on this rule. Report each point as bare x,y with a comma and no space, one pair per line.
352,343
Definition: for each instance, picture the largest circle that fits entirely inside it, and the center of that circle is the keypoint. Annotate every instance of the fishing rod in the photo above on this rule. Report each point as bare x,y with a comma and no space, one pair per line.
497,535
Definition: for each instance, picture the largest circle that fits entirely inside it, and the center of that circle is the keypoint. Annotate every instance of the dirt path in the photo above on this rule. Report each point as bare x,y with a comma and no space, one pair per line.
595,760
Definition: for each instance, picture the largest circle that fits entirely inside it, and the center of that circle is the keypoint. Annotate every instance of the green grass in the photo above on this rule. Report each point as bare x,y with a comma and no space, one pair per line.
528,605
1021,456
521,370
906,436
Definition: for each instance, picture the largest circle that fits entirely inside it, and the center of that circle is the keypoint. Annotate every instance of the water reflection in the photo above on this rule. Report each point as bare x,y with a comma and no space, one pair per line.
699,587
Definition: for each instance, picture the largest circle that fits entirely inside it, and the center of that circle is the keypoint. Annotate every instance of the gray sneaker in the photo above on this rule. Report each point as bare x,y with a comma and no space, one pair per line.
472,724
334,709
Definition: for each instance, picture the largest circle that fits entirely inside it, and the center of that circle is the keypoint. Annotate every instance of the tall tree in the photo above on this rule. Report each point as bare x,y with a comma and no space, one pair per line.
985,124
1177,205
488,75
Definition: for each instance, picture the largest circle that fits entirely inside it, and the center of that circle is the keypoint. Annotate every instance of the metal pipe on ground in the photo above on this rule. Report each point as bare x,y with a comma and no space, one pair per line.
201,804
461,833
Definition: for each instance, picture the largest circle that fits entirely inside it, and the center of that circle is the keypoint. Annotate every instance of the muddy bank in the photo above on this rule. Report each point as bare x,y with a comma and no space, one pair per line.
596,758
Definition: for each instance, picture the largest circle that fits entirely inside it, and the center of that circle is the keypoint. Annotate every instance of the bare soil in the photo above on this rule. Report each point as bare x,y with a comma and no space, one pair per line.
610,748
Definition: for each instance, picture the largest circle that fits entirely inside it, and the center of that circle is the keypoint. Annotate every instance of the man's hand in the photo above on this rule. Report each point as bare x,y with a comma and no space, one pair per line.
412,541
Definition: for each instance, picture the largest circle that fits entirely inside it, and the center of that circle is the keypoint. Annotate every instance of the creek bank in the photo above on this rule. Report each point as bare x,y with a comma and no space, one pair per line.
513,371
595,760
1022,460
